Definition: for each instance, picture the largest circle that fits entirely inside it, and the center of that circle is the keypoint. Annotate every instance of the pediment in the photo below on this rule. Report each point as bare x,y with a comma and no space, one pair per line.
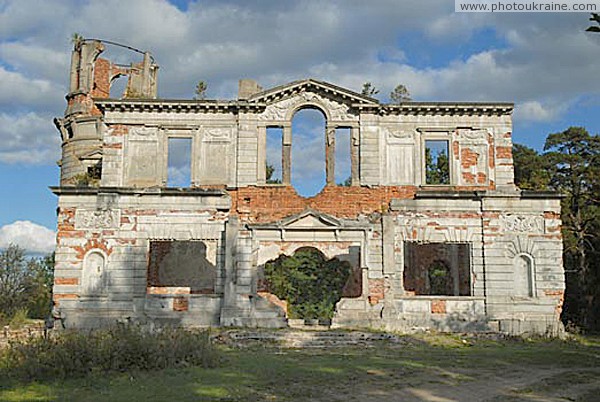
94,155
310,219
320,88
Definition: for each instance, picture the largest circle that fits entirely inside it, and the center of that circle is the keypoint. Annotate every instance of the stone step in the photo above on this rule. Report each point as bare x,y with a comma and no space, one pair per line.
309,338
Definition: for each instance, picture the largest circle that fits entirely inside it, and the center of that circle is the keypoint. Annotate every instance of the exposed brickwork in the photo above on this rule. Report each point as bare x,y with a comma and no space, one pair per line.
504,152
92,244
66,281
376,290
267,204
273,299
180,303
438,307
101,87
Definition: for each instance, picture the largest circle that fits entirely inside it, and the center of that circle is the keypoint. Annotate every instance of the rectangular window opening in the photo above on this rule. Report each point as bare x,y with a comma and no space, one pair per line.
179,162
343,160
182,266
437,269
274,155
437,163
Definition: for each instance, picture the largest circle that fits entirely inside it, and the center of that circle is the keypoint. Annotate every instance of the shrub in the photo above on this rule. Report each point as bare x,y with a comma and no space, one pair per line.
121,348
308,281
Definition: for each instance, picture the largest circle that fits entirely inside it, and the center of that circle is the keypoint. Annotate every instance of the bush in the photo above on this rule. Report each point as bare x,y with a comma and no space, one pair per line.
309,282
121,348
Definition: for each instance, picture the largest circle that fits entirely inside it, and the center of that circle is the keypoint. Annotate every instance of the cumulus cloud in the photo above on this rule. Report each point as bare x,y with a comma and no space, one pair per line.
30,236
28,138
545,61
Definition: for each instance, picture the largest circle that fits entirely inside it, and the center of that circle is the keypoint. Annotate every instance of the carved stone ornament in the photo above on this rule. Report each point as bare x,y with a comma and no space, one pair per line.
97,219
337,111
216,133
143,131
393,135
474,135
522,223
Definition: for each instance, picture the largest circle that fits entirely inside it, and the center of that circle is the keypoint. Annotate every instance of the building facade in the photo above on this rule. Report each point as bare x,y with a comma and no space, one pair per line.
436,232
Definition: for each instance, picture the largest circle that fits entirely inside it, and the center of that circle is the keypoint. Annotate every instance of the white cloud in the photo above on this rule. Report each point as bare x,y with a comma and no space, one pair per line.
536,111
29,138
30,236
545,61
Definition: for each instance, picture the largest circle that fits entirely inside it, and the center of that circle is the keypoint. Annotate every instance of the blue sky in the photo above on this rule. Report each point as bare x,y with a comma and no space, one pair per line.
543,62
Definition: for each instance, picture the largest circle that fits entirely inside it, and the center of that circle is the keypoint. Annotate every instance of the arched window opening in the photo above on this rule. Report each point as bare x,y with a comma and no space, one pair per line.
94,279
308,152
117,86
523,277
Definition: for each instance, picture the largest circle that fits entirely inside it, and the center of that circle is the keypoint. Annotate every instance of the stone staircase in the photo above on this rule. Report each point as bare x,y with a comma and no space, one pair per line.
294,338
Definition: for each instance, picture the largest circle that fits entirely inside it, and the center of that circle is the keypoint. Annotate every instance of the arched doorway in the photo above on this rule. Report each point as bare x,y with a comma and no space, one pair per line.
309,282
308,174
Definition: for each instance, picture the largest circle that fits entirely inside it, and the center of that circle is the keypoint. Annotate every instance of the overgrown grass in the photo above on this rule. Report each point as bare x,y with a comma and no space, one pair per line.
121,348
435,364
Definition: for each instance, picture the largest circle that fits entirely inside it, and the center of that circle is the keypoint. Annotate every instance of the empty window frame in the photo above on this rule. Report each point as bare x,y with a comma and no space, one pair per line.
437,269
343,160
182,264
179,162
274,155
437,162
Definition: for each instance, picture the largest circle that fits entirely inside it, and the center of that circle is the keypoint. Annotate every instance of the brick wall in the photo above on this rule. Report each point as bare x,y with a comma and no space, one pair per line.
267,204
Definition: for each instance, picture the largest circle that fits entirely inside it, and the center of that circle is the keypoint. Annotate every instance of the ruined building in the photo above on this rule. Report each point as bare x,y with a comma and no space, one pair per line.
131,247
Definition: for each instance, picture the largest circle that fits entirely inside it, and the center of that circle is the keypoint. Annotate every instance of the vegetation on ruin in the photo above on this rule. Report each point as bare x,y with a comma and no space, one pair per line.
422,367
121,348
310,283
570,165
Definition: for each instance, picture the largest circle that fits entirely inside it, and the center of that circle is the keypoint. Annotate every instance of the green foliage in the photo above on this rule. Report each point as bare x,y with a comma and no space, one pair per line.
440,280
86,179
19,318
570,165
310,283
200,90
77,39
347,182
574,159
437,170
25,284
400,94
531,169
270,169
369,89
121,348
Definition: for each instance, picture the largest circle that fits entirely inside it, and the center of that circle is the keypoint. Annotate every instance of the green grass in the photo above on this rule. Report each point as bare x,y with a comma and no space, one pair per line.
273,373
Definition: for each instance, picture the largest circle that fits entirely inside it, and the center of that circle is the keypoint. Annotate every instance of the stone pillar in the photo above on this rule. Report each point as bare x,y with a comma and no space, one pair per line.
330,155
286,161
261,175
229,287
354,148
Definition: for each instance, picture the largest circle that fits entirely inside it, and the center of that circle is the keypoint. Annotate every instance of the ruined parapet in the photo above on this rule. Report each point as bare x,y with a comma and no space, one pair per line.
91,77
247,88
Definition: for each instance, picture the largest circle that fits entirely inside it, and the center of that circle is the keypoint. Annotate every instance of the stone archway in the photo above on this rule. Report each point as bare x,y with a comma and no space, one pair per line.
310,283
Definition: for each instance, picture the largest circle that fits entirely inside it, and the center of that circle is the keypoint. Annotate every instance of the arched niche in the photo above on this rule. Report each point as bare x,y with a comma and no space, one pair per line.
311,147
94,277
524,276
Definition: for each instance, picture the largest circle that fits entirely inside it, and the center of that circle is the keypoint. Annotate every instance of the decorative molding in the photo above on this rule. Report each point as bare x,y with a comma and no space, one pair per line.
97,219
143,131
522,223
216,134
